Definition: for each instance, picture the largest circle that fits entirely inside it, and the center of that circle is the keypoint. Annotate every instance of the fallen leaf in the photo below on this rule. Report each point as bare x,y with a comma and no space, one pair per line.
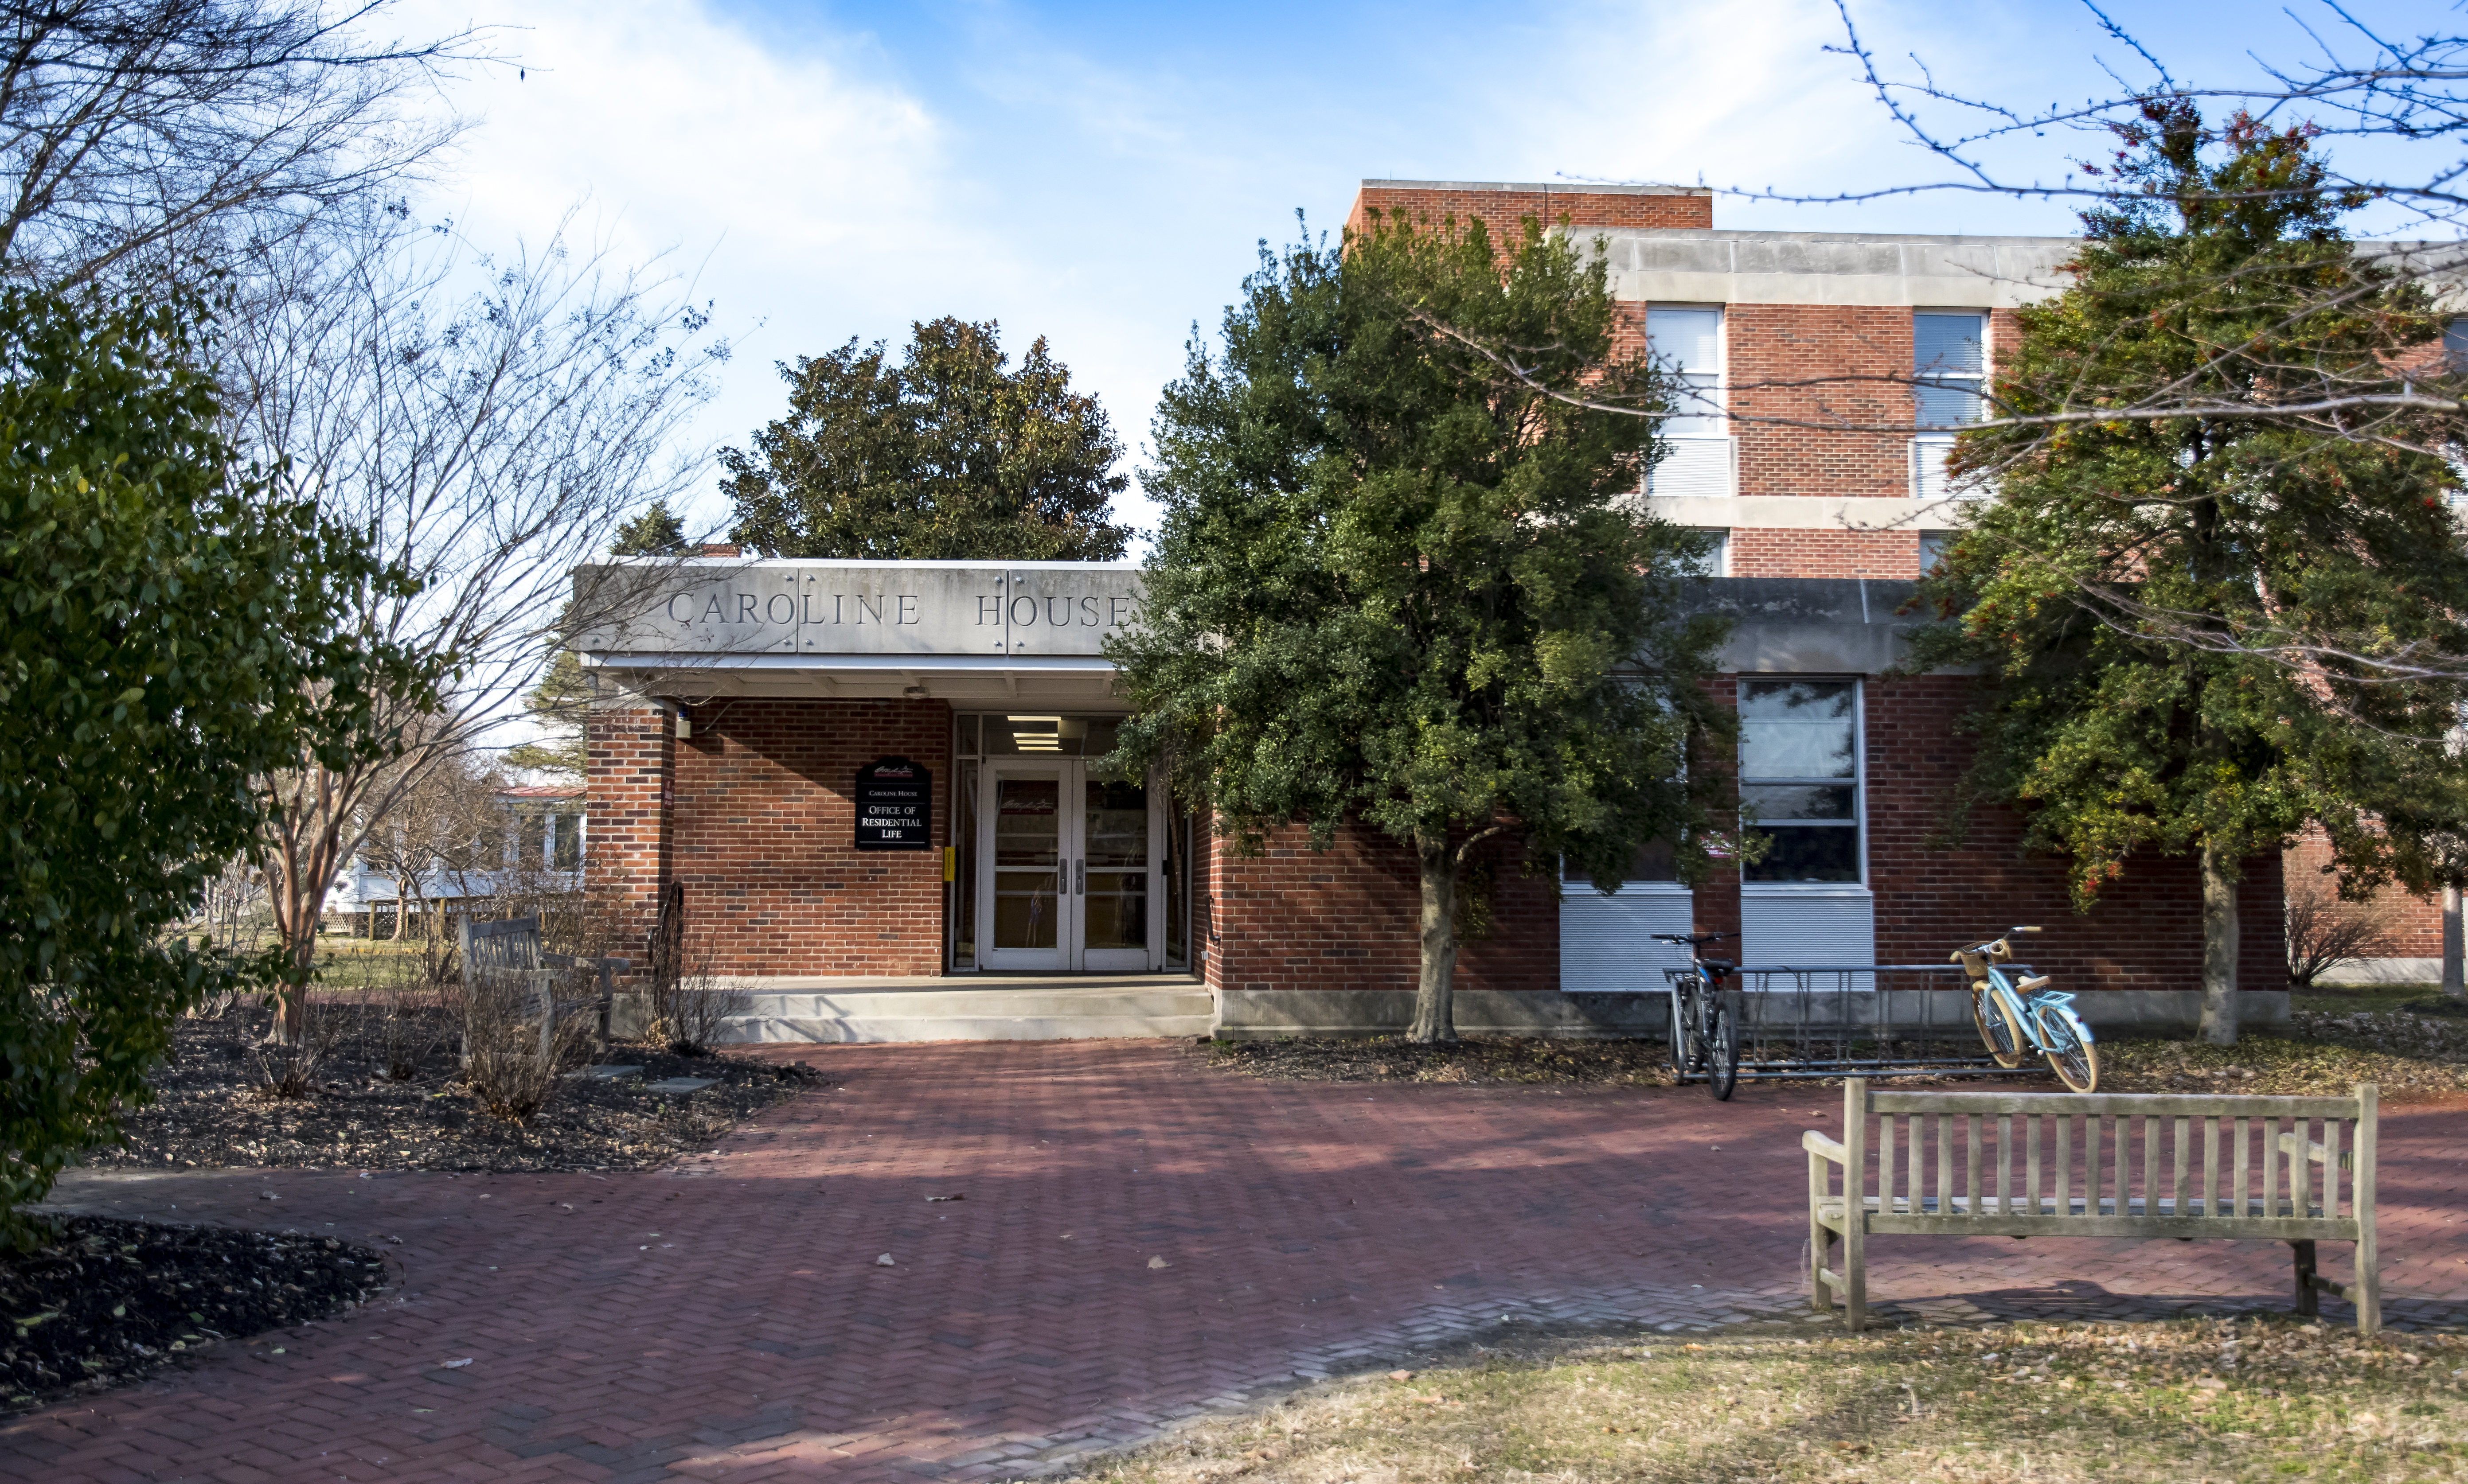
930,1200
1158,1261
1401,1376
451,1365
885,1260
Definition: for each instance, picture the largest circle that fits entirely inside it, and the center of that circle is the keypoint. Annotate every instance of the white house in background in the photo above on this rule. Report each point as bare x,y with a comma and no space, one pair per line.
543,852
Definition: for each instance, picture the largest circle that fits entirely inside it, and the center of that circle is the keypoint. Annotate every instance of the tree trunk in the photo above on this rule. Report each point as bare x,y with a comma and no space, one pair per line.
298,871
2219,947
401,903
2451,977
1434,1011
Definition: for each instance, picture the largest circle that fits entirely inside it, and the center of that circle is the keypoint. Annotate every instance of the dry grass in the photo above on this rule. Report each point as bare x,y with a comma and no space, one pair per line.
2031,1403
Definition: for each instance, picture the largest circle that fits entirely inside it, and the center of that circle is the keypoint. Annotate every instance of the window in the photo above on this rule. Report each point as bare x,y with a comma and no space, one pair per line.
1656,860
1948,365
1933,545
1718,552
2454,344
567,846
1947,357
1800,777
1688,344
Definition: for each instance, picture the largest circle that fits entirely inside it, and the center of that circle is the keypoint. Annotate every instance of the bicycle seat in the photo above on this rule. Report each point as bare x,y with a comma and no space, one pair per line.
1719,964
2034,982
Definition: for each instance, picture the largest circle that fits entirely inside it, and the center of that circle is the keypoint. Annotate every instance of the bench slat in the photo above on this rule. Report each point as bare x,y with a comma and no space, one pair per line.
2047,1206
2161,1103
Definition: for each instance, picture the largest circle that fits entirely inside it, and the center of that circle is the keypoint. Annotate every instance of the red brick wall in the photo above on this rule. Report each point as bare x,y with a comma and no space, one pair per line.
764,838
2146,933
1778,343
626,860
2413,925
1500,210
1764,552
1350,918
1347,919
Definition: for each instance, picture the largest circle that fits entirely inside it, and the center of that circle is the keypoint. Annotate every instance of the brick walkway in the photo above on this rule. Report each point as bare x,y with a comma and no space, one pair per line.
1139,1241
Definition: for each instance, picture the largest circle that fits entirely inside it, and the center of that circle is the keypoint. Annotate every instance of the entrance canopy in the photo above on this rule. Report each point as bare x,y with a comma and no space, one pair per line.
1003,634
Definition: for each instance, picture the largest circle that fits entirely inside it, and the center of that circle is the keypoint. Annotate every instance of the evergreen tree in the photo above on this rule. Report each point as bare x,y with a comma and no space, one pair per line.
946,456
1399,589
657,531
2147,591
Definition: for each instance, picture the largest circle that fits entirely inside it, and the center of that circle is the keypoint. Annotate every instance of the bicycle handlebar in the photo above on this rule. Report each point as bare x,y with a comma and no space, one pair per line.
1690,939
1996,945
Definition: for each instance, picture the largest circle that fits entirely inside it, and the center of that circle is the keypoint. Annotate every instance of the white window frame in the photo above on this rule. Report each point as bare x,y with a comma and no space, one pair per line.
1714,402
1929,450
1858,788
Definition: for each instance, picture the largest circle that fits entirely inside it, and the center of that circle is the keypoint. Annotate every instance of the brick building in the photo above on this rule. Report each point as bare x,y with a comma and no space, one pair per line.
874,780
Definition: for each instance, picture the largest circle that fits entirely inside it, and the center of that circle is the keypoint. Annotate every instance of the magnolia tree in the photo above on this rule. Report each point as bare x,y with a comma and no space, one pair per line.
171,625
947,454
1399,589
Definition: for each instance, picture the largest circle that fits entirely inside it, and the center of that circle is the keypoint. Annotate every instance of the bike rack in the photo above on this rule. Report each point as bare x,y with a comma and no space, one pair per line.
1816,1020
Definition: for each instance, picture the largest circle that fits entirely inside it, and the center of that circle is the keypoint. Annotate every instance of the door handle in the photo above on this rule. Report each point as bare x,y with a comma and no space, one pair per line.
1080,878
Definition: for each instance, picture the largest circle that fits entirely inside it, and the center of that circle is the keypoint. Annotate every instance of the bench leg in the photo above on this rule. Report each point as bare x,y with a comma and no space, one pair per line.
1855,1276
1820,1238
2369,1291
2308,1304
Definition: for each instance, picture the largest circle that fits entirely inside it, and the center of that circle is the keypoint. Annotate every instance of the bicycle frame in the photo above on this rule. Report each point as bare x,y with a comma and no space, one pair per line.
2026,1006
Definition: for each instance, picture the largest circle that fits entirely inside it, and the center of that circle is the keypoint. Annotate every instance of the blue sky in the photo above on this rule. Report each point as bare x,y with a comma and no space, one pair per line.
1101,173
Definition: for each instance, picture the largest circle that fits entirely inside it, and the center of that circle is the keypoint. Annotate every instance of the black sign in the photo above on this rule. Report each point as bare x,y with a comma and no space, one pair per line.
895,806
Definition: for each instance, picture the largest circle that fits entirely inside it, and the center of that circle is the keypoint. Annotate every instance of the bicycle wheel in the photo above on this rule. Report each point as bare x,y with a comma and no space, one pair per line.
1998,1028
1722,1050
1687,1038
2066,1041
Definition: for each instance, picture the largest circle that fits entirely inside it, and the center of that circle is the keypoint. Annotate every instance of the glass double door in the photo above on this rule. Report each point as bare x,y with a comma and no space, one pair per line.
1070,861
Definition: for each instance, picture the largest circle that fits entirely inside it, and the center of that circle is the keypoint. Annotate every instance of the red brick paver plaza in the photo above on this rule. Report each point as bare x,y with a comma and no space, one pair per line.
1139,1240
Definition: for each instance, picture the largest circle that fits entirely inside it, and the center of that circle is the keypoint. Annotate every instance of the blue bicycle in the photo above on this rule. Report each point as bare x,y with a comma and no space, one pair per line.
2019,1015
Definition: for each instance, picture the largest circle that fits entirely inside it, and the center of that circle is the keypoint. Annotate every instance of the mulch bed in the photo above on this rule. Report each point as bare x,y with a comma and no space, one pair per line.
2412,1053
111,1300
1486,1059
2416,1052
209,1110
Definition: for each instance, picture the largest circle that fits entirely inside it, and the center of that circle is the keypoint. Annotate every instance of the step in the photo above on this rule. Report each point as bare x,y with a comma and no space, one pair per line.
1040,1014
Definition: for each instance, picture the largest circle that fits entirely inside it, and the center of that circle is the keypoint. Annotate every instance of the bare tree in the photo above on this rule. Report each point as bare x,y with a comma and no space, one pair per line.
492,422
145,138
2325,931
439,812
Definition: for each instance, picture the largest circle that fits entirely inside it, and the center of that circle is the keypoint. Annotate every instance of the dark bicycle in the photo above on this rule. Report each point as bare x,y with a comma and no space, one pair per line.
1704,1036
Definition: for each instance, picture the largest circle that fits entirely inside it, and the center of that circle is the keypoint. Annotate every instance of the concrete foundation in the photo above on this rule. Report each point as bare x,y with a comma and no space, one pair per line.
1267,1016
974,1007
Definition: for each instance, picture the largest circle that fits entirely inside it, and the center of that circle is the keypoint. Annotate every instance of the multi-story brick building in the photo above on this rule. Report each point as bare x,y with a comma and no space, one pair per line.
767,728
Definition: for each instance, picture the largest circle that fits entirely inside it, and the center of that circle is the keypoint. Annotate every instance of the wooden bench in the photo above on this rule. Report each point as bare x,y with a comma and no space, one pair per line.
508,954
2087,1172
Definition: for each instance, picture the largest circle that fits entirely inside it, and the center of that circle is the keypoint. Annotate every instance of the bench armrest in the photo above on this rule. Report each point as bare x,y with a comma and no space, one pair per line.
2314,1151
1816,1142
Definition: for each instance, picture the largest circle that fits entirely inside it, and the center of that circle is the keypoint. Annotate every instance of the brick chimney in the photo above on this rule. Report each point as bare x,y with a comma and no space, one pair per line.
711,549
1500,203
